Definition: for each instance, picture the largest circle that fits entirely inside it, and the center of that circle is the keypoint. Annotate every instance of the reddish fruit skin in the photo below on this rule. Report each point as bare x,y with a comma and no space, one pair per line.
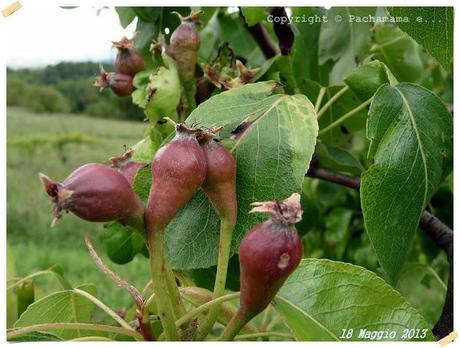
269,253
129,171
97,193
120,84
220,182
178,170
129,61
184,46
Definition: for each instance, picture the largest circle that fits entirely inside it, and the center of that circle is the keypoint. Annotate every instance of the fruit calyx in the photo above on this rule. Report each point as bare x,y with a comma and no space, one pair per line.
287,212
61,197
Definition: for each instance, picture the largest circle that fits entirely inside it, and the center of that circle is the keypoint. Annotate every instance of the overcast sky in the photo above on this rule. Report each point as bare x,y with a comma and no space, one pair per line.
48,35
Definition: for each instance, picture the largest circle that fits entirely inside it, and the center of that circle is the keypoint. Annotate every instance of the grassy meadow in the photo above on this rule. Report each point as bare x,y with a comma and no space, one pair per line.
56,145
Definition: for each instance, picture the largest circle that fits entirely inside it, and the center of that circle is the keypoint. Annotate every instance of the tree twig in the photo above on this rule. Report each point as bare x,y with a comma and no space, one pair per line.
283,30
115,277
440,233
259,34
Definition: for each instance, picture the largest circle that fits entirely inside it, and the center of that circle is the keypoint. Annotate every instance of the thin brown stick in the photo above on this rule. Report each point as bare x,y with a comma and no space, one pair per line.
136,295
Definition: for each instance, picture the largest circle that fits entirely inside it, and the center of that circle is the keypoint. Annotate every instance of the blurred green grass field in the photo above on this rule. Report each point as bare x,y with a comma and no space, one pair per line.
33,244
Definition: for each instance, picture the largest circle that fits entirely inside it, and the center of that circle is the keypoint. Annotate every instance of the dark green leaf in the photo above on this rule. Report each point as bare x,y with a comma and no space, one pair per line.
322,298
126,15
411,143
123,243
254,15
142,183
337,159
365,80
432,27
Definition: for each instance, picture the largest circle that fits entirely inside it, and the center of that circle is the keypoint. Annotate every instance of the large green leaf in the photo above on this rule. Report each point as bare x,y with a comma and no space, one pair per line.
60,307
344,40
432,27
322,298
411,144
273,140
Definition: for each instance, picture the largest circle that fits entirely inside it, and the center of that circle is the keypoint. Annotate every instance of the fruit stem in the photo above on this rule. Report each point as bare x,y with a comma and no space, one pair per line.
178,305
332,101
234,326
189,91
160,288
226,231
345,117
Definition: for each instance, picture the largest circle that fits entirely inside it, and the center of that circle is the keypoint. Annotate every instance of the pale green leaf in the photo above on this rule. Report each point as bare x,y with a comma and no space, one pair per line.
60,307
273,140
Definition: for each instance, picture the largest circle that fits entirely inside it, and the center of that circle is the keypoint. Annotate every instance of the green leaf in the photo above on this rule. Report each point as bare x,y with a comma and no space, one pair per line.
126,15
272,138
322,298
305,48
432,27
399,52
337,227
142,182
254,15
344,41
166,90
303,326
232,30
365,80
60,307
423,289
337,159
411,144
122,243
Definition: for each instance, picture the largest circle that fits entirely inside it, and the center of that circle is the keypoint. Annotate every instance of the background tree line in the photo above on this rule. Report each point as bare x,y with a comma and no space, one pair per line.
66,87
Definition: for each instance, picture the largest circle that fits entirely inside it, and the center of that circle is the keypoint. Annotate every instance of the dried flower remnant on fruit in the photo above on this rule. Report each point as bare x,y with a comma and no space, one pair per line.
127,166
220,79
97,193
120,84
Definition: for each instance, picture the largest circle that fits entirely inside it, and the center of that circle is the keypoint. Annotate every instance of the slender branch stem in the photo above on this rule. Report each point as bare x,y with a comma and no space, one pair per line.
234,326
146,288
136,295
104,307
74,326
194,312
259,34
332,100
263,334
178,305
226,231
319,99
345,117
160,288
